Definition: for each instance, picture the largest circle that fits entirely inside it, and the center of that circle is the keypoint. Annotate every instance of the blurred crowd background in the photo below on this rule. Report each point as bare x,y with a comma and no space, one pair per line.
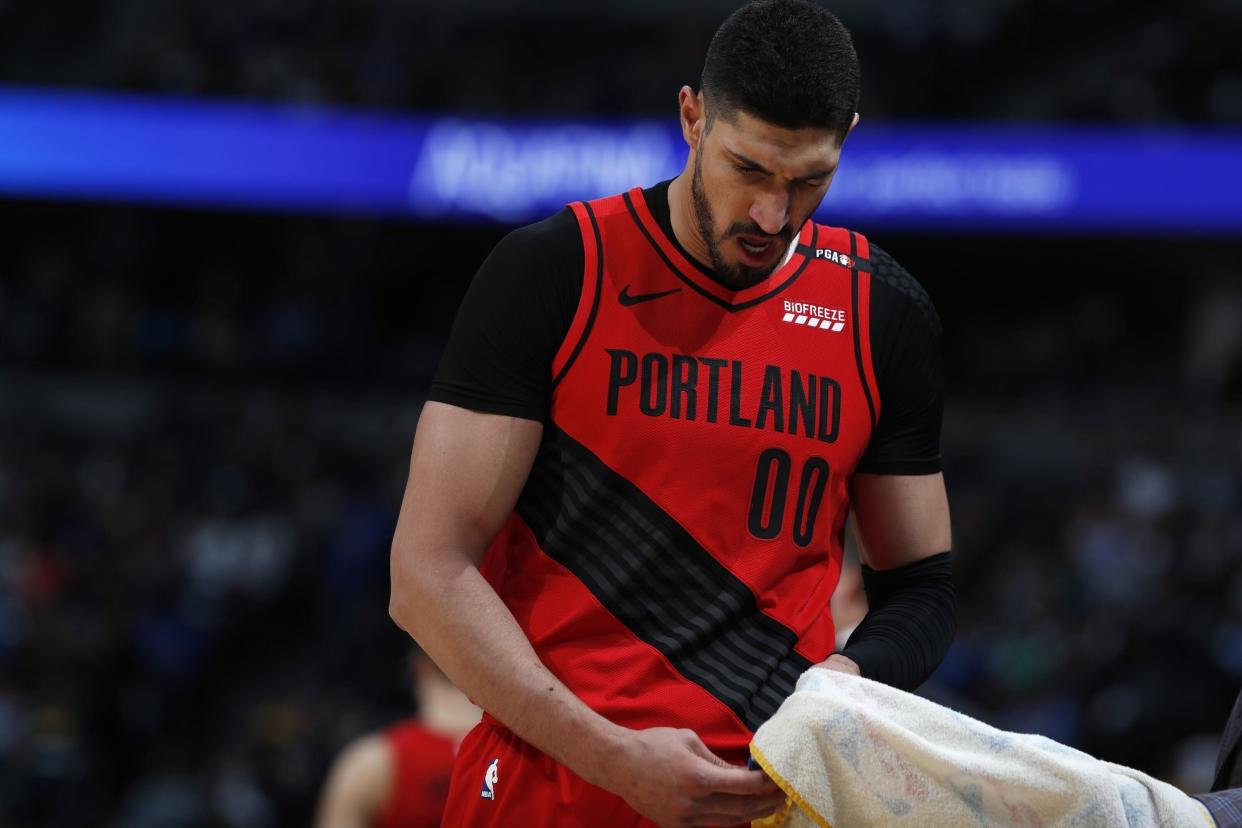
205,417
996,59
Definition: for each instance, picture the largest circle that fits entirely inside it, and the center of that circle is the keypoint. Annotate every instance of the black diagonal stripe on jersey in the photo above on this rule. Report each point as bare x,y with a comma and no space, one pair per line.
657,580
666,631
623,535
650,602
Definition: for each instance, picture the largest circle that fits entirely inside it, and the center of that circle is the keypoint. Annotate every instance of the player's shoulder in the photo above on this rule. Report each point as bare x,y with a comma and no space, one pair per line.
543,259
363,766
616,206
555,236
561,238
403,729
895,291
412,732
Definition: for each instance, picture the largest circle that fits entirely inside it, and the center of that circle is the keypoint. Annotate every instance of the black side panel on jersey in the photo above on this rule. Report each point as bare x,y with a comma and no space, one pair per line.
657,580
905,352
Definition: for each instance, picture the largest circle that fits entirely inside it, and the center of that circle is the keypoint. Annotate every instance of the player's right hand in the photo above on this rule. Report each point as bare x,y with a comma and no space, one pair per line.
669,776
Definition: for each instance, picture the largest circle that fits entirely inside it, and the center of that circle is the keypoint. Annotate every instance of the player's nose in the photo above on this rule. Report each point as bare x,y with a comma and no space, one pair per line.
770,211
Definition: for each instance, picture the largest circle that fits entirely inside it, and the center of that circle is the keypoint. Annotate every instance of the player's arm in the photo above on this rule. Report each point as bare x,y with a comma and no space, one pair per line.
466,471
900,508
901,523
358,785
473,450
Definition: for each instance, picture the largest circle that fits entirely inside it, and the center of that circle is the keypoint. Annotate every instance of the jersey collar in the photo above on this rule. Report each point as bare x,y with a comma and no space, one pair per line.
697,277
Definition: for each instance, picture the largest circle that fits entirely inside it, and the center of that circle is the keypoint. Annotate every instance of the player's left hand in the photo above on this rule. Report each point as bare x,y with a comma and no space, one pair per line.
841,664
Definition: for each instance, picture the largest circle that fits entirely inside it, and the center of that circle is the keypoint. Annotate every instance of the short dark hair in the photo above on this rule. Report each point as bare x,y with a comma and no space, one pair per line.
787,62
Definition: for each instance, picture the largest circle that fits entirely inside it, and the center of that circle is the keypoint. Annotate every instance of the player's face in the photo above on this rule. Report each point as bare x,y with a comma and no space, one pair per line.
753,188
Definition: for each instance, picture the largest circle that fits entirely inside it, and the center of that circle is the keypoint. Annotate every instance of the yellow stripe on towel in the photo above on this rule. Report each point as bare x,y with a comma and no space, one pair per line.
778,820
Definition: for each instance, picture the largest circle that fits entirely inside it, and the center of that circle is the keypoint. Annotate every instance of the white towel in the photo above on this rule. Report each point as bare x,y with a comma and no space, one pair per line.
851,752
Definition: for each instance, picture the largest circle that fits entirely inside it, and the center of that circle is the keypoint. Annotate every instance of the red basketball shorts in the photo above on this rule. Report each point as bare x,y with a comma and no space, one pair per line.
499,780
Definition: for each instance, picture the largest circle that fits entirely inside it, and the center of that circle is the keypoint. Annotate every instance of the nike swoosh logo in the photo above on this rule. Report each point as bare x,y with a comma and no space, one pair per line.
626,299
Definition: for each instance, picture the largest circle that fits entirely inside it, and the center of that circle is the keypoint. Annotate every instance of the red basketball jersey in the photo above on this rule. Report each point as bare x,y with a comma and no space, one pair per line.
672,555
422,767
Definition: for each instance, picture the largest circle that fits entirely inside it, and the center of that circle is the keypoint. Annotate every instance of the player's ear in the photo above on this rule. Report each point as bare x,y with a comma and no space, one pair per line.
853,124
693,121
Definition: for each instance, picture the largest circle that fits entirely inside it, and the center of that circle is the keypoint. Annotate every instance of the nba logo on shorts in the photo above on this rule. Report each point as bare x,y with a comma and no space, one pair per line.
489,781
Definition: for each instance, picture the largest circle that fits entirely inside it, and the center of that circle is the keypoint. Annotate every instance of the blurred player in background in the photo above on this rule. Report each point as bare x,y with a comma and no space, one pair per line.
629,488
399,777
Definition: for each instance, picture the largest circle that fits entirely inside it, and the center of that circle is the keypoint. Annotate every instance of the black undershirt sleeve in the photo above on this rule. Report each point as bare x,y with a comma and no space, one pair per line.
905,351
514,317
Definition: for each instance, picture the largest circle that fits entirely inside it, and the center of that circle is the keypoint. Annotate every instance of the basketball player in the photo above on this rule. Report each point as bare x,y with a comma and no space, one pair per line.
630,484
399,778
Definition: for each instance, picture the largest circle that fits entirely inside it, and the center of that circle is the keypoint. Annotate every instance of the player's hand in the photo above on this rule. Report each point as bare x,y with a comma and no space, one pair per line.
842,664
670,776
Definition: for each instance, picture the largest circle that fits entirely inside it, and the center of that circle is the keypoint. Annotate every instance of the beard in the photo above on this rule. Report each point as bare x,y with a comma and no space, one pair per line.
735,275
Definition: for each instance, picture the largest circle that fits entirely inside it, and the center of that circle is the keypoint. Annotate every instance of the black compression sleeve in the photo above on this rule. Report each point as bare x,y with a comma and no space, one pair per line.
905,348
514,317
910,624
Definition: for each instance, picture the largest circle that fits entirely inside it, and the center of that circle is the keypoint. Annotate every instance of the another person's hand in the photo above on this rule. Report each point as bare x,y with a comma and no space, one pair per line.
669,776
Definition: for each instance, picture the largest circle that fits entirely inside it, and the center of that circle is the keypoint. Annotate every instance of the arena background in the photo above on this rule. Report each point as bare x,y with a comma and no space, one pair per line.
207,397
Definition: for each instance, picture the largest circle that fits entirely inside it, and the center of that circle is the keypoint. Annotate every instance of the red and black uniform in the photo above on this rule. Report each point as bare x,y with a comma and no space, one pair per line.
422,765
673,553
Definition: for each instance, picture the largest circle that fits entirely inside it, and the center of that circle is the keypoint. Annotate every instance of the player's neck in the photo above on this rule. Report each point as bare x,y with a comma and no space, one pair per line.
681,216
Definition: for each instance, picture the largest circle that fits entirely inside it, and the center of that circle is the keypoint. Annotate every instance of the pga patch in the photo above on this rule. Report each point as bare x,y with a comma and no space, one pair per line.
833,256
